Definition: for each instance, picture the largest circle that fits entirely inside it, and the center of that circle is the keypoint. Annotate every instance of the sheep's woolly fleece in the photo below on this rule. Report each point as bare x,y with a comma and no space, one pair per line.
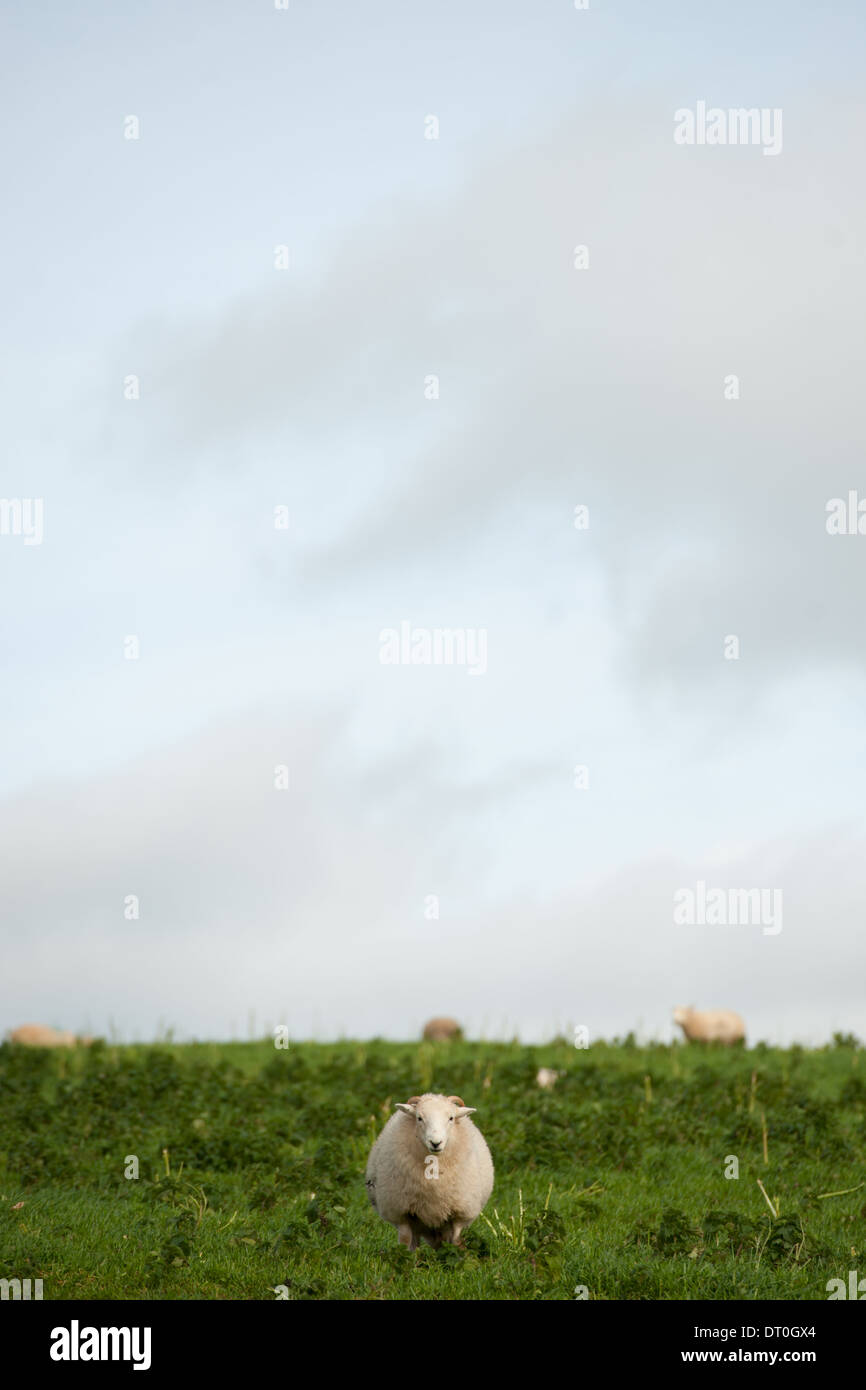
40,1035
715,1025
442,1030
430,1173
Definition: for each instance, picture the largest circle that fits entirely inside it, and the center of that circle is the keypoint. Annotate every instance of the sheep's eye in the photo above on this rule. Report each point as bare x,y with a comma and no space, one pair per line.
451,1118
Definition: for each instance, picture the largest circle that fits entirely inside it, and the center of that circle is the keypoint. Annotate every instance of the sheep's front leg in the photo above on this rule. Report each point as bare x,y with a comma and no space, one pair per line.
451,1233
407,1236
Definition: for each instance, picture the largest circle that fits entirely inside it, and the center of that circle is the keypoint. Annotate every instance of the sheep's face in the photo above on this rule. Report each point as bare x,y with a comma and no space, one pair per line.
434,1118
681,1016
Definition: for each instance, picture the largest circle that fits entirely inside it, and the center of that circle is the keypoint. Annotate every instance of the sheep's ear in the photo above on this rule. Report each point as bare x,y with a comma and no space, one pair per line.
464,1109
408,1108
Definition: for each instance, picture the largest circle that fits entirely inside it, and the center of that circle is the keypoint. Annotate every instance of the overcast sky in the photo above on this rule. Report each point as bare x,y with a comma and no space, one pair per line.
311,388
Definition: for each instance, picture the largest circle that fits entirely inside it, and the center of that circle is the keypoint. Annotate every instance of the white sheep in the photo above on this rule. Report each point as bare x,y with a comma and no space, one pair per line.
714,1025
40,1035
442,1030
430,1172
547,1078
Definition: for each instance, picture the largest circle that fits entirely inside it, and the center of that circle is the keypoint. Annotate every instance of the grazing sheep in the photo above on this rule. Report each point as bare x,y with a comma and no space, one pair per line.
547,1078
430,1172
442,1030
715,1025
40,1035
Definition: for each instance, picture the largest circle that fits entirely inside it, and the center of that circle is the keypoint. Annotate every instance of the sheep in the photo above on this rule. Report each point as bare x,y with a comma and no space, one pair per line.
547,1078
40,1035
442,1030
715,1025
430,1172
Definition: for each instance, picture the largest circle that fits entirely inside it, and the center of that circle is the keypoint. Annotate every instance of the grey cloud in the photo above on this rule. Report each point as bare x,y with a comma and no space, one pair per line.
561,386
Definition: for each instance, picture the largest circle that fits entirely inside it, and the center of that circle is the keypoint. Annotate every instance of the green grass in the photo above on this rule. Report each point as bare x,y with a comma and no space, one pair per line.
251,1163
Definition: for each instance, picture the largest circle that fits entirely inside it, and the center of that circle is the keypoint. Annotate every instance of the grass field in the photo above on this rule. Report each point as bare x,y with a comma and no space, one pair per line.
251,1163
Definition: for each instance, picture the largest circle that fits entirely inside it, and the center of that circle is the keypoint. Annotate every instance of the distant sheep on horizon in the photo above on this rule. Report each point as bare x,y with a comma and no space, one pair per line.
711,1025
41,1035
442,1030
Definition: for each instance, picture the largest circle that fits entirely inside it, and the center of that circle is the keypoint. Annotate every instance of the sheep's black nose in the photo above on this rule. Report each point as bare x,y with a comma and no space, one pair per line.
434,1144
